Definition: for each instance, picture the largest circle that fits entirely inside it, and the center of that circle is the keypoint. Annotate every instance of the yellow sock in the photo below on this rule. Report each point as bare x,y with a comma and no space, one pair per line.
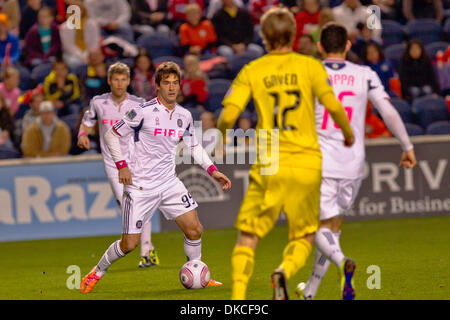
242,262
294,256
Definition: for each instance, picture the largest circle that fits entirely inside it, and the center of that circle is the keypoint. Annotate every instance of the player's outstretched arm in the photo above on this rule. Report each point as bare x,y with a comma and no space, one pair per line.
339,116
395,124
112,141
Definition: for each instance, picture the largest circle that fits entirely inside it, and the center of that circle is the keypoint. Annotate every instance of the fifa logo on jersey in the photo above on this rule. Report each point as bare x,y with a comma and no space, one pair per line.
374,18
168,132
111,122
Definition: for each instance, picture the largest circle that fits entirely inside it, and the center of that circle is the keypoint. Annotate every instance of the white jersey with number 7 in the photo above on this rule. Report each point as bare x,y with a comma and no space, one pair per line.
353,85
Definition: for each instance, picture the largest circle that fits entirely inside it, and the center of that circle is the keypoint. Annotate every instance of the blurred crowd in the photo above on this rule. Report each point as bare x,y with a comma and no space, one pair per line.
54,56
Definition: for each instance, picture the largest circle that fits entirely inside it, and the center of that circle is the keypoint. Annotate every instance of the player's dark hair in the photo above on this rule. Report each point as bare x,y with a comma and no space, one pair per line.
165,69
333,37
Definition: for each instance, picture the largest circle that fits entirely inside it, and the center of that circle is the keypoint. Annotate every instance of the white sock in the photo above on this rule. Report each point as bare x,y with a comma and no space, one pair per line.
112,254
193,249
321,264
146,239
329,245
320,268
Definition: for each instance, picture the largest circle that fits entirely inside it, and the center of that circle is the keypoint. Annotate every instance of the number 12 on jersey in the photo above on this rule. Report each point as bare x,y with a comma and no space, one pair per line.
276,109
347,109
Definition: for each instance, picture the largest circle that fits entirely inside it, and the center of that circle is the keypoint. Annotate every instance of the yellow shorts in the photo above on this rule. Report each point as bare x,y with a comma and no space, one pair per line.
295,191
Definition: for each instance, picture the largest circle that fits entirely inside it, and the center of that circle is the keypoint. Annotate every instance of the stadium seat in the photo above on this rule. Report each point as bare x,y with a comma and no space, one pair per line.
39,73
207,56
239,61
414,129
404,109
393,32
177,60
80,72
424,30
447,28
157,45
256,36
433,48
217,88
395,53
439,127
71,120
9,154
429,109
128,61
25,77
196,113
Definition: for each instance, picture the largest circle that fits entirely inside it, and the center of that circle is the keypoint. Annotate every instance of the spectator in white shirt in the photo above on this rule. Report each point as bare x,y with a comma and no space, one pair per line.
349,14
113,16
77,43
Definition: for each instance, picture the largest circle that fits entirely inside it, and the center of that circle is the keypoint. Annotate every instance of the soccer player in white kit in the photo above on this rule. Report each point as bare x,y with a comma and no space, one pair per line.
342,167
108,109
150,180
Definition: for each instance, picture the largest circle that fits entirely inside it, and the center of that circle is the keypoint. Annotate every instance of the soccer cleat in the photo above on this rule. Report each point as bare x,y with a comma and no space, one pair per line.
154,259
347,271
144,262
89,281
214,283
300,292
279,285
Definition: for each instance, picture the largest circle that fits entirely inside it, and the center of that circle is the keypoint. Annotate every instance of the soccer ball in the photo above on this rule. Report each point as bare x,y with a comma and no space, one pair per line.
194,274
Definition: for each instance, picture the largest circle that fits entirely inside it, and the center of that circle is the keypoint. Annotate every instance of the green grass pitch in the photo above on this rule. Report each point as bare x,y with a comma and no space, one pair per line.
412,254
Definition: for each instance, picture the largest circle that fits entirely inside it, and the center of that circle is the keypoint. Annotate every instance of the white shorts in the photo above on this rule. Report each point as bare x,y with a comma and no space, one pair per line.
337,196
117,188
173,200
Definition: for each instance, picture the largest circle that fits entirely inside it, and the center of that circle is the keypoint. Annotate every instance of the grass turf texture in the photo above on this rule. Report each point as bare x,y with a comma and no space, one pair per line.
413,256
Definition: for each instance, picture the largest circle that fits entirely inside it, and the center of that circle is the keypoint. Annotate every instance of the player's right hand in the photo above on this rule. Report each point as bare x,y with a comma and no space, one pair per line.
83,142
125,176
408,159
349,141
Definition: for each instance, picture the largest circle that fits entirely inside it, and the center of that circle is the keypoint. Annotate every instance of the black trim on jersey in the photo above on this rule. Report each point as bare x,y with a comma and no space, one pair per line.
150,103
369,85
136,130
186,131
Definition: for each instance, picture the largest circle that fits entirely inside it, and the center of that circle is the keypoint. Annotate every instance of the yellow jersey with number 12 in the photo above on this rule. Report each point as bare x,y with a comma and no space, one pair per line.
283,87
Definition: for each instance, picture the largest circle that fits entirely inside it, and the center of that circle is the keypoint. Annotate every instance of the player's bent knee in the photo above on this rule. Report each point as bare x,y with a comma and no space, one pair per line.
129,243
195,232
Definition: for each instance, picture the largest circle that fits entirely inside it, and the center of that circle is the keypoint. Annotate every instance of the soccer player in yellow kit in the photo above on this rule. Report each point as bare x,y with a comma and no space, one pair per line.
283,85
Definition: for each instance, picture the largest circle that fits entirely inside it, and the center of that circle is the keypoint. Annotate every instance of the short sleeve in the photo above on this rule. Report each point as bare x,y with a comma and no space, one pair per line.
240,90
90,117
375,88
319,79
130,123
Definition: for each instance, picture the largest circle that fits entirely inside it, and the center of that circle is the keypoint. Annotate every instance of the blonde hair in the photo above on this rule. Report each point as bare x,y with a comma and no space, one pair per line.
10,71
193,7
119,68
278,28
197,72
